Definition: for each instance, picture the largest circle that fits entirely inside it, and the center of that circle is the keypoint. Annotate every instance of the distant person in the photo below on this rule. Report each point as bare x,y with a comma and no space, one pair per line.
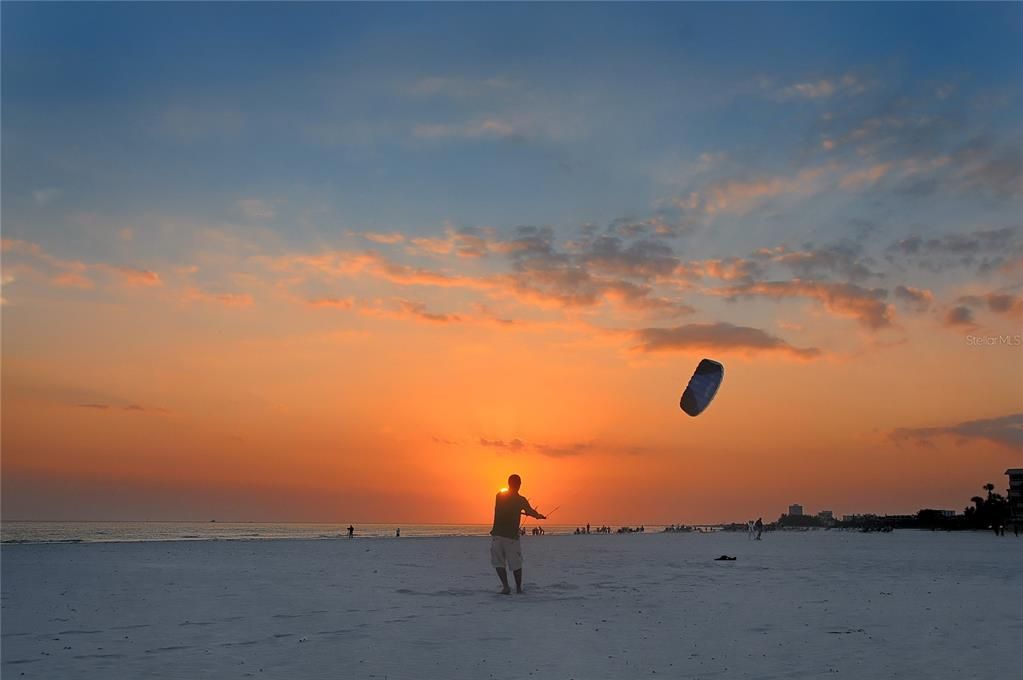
758,526
351,531
397,532
505,548
587,528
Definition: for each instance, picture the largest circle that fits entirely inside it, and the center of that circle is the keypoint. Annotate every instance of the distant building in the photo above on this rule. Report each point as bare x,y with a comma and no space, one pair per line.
796,510
826,516
1016,494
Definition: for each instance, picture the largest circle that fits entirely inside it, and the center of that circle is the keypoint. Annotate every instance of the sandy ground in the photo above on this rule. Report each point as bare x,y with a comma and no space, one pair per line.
796,605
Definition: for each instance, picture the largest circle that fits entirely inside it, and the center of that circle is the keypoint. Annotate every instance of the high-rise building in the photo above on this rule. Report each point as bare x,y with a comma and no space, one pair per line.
826,515
795,510
1016,495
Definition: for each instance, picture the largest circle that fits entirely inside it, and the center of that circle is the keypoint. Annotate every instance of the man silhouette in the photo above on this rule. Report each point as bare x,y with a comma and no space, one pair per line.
505,548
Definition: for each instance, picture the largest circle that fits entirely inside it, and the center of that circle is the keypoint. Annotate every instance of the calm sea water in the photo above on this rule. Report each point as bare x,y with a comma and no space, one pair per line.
99,532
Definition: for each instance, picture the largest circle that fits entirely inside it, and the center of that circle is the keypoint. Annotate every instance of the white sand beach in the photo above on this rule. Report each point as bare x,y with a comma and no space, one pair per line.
795,605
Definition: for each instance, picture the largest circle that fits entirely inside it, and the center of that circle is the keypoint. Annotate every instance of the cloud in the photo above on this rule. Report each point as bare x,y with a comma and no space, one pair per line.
466,242
552,451
552,282
5,281
72,273
132,408
740,196
406,275
1006,431
387,239
643,259
540,274
963,243
457,87
727,269
823,88
418,310
1003,303
841,260
45,196
998,303
989,167
599,270
130,276
411,310
71,280
513,445
987,250
861,177
335,263
231,300
485,128
918,299
842,299
959,316
332,303
257,208
717,337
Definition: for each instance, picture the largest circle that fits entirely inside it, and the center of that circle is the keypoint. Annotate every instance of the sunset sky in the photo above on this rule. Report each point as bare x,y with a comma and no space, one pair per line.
359,263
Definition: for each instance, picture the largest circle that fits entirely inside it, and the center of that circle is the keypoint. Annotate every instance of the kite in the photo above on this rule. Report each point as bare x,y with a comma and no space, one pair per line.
702,387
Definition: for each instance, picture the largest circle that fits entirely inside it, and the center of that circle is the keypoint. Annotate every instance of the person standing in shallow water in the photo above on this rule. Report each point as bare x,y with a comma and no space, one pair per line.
505,548
351,531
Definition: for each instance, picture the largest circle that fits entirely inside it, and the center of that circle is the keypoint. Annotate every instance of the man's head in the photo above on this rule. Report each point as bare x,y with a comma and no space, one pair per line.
514,482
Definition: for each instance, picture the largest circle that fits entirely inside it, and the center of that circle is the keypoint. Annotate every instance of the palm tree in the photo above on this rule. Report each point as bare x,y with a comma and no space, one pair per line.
989,487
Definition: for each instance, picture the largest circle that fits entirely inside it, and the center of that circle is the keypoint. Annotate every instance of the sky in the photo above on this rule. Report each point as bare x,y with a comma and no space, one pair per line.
359,263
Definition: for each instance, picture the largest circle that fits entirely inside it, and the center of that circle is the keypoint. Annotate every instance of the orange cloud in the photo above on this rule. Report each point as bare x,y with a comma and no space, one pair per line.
843,299
741,196
919,299
332,303
131,276
387,239
71,280
236,300
71,273
717,337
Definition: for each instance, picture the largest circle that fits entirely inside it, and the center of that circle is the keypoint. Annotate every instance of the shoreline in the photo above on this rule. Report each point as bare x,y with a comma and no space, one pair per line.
413,537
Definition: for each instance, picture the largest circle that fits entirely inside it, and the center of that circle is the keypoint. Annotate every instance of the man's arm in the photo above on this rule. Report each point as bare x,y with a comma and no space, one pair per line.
528,509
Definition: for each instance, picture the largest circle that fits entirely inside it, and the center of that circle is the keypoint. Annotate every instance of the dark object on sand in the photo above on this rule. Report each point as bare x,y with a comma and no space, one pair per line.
702,387
724,558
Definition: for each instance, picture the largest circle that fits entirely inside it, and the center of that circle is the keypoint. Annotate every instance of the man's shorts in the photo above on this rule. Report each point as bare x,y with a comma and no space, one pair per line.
505,550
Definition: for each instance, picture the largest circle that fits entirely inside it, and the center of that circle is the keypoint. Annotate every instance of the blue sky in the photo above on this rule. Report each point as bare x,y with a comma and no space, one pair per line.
404,116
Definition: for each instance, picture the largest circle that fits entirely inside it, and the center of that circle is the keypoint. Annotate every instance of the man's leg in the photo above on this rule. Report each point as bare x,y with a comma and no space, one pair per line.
502,574
518,580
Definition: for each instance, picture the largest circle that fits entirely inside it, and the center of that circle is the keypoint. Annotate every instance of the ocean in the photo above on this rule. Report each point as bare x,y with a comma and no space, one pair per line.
108,532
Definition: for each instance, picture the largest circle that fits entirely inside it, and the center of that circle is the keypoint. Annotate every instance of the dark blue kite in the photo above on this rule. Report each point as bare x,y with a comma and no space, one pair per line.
702,387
